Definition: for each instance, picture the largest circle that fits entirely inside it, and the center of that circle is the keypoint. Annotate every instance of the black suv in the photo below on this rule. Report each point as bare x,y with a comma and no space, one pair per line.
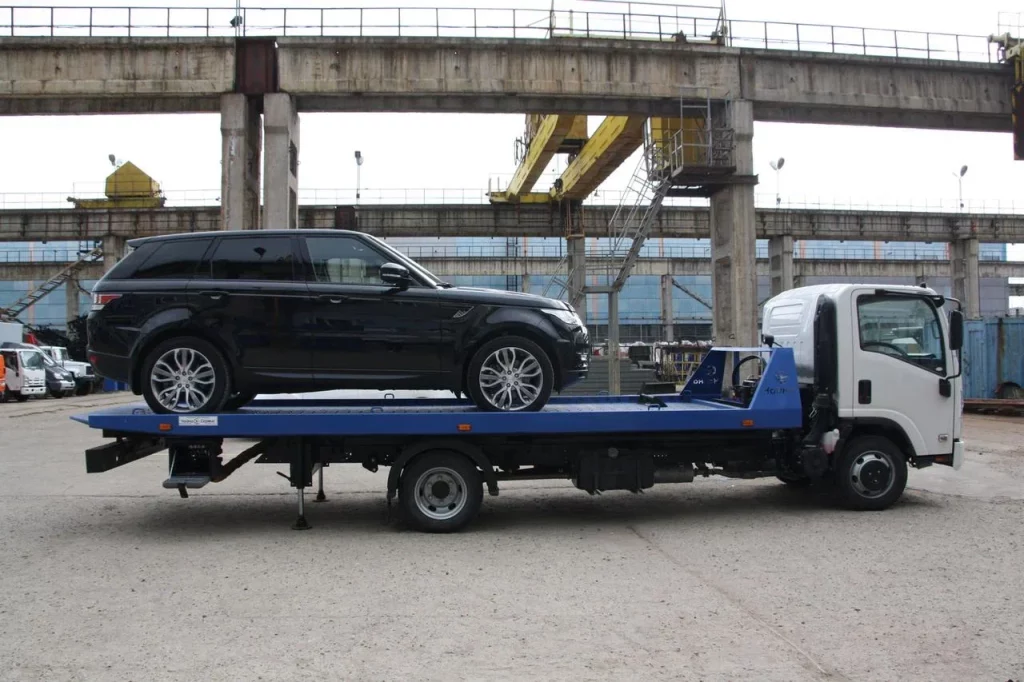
202,322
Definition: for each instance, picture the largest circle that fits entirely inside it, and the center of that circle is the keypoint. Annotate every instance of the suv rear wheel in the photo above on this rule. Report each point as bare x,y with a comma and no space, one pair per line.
510,374
185,375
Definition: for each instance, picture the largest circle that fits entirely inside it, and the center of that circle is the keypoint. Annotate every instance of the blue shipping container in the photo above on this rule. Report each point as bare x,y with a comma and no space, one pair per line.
993,358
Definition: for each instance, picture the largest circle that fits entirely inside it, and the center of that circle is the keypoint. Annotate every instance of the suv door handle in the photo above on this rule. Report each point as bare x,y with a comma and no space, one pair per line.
215,295
331,298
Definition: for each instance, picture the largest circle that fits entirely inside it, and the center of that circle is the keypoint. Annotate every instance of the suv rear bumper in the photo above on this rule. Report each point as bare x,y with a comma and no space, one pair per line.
116,367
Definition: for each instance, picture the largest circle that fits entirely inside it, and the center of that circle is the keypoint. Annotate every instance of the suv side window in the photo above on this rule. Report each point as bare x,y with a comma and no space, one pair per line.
904,327
173,259
344,260
253,258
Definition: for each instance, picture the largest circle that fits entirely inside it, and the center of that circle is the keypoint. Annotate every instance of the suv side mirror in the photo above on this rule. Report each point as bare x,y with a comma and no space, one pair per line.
956,330
395,275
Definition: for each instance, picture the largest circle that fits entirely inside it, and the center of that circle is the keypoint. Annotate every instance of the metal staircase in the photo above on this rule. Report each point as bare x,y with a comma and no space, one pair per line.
11,313
627,230
634,217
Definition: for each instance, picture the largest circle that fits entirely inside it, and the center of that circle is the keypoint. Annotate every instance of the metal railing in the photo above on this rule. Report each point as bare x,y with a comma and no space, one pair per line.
472,22
210,198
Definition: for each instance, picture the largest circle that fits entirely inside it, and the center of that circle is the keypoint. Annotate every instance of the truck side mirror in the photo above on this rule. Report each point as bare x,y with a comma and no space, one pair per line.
956,330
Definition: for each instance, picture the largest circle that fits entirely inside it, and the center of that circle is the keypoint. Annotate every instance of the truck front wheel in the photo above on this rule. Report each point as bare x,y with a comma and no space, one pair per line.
871,473
440,491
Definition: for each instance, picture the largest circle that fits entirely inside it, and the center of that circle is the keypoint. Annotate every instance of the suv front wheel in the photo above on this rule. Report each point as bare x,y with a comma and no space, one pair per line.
185,375
510,374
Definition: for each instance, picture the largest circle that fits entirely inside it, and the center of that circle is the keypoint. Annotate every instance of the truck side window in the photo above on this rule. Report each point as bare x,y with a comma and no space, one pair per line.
904,327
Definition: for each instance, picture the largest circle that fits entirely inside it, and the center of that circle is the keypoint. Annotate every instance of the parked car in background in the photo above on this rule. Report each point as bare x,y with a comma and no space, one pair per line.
202,322
82,372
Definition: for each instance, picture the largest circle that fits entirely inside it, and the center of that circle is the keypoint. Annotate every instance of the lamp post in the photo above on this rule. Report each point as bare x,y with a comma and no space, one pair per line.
359,164
960,184
777,167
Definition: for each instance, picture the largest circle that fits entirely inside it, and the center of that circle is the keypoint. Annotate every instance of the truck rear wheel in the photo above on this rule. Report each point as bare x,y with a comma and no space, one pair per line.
871,473
440,491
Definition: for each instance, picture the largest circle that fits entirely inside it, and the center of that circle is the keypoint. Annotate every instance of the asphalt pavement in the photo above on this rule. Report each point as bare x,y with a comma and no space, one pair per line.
111,577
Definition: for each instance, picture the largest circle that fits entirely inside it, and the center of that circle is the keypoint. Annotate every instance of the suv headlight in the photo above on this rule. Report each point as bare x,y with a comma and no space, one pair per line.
567,317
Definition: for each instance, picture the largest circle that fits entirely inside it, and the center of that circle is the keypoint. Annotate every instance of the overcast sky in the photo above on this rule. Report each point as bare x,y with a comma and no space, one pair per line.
64,155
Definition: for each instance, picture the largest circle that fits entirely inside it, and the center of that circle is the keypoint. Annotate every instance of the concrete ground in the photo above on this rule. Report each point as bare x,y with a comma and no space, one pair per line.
111,577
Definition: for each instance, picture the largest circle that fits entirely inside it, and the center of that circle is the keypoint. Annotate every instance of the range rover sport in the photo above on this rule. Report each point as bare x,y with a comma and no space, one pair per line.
202,322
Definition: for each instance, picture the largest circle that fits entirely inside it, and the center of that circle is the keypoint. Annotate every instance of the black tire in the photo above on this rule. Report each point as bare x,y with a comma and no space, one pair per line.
440,476
870,473
221,381
476,364
238,400
21,397
56,393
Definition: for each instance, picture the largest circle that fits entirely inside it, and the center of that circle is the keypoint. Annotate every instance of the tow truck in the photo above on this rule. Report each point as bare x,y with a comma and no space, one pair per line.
827,398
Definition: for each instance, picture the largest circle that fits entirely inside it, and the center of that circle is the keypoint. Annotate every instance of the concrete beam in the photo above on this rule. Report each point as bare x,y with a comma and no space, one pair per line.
242,144
114,75
483,220
734,243
658,267
633,77
281,162
71,300
565,75
667,311
964,270
780,257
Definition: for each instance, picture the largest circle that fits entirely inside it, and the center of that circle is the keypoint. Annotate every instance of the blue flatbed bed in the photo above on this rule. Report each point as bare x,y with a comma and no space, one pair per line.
580,438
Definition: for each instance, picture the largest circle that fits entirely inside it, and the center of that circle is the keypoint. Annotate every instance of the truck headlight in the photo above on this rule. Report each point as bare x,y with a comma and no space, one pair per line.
567,317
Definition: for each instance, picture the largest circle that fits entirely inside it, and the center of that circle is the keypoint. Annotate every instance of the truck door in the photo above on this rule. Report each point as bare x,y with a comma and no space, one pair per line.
900,364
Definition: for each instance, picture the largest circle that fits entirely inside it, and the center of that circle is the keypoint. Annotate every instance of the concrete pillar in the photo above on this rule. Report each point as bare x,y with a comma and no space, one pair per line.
576,246
113,251
524,283
966,275
280,162
780,259
734,242
614,376
241,144
667,313
71,306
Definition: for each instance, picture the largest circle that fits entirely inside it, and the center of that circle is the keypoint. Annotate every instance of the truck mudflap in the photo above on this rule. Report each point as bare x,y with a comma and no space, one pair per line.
958,454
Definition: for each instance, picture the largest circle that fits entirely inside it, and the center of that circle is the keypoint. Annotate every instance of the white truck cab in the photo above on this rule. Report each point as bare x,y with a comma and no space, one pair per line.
880,361
25,373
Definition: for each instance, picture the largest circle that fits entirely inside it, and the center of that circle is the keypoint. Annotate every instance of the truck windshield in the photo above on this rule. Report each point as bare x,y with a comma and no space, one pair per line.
905,327
31,359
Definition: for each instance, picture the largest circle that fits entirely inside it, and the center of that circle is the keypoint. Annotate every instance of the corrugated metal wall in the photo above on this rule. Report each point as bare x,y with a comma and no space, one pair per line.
993,355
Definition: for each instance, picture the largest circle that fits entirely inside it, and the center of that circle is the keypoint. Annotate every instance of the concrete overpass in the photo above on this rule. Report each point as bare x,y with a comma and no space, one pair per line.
578,75
527,220
279,77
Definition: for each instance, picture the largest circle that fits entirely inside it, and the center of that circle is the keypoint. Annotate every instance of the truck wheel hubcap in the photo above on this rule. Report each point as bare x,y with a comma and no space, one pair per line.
183,380
511,379
440,493
872,474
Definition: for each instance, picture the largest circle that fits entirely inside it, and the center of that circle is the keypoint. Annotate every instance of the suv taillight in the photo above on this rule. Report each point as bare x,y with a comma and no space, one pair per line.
100,300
